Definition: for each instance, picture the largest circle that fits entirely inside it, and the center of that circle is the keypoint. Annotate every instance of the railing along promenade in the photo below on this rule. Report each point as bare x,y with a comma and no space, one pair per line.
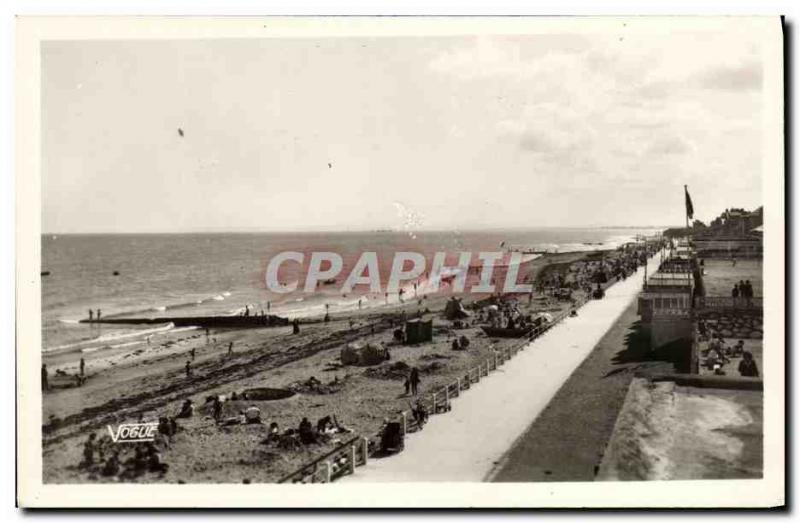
705,303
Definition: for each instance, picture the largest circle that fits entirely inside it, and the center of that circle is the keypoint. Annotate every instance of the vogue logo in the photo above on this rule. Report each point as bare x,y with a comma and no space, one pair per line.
133,432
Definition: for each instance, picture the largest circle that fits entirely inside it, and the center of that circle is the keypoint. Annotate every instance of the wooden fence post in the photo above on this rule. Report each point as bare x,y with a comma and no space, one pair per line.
327,471
365,449
434,403
353,458
458,385
405,423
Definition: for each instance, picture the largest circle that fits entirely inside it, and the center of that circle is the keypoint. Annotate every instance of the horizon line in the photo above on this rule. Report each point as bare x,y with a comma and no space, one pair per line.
373,230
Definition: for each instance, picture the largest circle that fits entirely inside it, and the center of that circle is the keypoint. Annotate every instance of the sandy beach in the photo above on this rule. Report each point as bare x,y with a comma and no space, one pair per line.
151,382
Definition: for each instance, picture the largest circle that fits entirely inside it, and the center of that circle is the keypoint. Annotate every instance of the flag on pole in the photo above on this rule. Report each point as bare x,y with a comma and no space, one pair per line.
689,206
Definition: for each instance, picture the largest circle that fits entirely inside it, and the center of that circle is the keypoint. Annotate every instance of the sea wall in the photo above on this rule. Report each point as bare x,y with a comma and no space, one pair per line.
739,324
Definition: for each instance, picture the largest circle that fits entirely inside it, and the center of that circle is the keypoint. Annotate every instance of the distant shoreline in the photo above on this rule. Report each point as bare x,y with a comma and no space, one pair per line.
361,231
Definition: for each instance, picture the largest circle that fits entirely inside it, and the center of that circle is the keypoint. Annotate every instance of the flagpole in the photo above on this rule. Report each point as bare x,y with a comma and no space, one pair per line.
685,192
688,232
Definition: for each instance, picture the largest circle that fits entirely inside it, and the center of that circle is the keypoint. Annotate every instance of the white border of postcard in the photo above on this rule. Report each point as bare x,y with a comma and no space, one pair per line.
765,492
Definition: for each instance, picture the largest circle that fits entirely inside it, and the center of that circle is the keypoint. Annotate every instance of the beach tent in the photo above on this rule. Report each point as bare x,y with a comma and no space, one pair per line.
373,354
349,355
454,310
419,331
363,354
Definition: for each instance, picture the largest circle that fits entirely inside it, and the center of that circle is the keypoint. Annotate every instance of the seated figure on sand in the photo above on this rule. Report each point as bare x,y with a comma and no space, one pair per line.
253,415
111,466
239,419
306,432
748,367
187,409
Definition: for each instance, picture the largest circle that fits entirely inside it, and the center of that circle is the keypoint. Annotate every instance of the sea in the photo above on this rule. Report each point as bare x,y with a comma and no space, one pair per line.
168,275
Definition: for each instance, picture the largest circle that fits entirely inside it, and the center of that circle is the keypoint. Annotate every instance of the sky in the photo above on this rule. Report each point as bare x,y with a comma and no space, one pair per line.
459,132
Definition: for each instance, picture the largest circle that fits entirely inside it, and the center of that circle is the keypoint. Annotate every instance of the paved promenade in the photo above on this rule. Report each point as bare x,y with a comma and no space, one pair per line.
468,442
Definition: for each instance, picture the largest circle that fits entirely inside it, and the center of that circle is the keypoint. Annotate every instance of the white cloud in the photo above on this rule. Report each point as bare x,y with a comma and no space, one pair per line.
613,110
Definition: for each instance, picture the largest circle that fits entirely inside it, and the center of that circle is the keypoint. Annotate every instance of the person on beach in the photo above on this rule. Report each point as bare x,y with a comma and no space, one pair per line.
82,367
216,410
413,380
268,306
359,303
187,409
111,467
306,432
230,348
88,451
45,380
295,326
188,369
253,415
273,432
91,315
735,294
165,430
99,313
420,413
748,367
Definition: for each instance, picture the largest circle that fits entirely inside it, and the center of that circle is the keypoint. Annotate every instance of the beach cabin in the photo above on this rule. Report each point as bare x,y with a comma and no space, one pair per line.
419,331
665,306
